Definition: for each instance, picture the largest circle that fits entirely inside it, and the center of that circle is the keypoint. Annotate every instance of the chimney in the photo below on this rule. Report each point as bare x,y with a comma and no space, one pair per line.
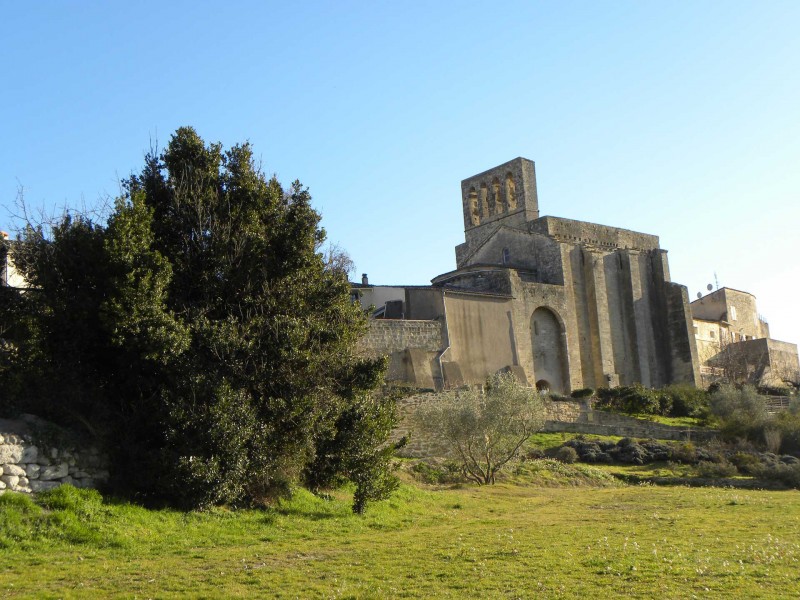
364,279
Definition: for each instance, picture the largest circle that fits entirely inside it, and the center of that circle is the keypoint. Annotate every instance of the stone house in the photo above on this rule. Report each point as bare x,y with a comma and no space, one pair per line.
733,341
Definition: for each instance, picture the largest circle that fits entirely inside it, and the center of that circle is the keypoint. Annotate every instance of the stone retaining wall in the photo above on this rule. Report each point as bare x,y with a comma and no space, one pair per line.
562,416
29,465
599,422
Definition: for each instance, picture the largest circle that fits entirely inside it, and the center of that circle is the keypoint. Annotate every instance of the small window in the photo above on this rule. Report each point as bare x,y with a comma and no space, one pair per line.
506,256
695,330
733,313
711,333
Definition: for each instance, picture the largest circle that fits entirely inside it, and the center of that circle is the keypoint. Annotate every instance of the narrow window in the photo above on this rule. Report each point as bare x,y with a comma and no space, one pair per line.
506,256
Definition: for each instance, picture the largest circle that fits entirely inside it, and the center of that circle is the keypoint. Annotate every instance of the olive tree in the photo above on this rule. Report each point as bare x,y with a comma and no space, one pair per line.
485,427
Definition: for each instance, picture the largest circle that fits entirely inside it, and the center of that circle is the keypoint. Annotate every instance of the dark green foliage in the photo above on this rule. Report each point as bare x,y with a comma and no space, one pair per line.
582,393
630,451
671,401
353,450
447,473
566,455
201,336
722,468
687,401
633,399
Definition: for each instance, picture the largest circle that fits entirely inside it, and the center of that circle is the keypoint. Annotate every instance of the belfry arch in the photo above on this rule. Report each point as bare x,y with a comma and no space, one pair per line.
550,367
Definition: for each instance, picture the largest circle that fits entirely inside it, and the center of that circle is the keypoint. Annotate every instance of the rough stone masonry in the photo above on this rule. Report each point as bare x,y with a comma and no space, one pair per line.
31,465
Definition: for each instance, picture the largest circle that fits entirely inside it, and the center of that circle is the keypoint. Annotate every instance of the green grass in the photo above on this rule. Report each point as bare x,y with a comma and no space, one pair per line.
548,441
516,539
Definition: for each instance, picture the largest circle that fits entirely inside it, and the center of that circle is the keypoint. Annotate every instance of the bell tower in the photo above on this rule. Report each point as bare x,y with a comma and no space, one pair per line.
505,194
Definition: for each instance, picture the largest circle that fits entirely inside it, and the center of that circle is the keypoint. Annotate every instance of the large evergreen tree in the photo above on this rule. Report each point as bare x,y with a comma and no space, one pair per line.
203,335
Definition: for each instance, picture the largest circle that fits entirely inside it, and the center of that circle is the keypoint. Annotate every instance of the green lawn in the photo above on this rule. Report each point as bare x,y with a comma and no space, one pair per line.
511,540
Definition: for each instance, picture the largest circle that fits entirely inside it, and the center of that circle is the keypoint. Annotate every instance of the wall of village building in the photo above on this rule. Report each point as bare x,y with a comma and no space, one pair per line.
735,310
733,341
9,275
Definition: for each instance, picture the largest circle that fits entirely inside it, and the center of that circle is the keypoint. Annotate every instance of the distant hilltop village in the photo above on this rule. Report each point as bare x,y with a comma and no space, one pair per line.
563,305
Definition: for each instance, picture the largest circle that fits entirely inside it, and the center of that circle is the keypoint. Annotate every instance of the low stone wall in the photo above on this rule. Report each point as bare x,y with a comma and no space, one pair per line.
29,465
599,422
562,416
420,444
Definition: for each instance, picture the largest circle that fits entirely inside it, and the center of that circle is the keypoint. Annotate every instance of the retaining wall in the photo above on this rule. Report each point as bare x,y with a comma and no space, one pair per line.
563,416
29,464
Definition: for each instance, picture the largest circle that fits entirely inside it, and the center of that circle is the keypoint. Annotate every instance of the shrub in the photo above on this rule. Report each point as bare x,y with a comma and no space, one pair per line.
448,472
716,469
582,393
567,455
687,401
685,453
746,462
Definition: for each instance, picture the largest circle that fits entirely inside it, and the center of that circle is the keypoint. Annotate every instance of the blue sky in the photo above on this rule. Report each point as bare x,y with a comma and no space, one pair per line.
679,119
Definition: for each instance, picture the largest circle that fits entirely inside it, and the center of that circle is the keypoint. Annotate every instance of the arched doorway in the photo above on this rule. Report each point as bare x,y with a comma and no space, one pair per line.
549,353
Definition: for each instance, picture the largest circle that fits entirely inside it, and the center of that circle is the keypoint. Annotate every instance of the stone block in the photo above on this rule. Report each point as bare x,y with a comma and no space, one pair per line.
13,470
2,485
32,471
11,481
23,482
29,454
54,472
10,453
41,486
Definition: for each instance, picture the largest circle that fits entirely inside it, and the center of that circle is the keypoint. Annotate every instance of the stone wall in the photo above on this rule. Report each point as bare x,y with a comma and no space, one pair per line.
413,348
563,416
29,464
598,422
420,444
395,335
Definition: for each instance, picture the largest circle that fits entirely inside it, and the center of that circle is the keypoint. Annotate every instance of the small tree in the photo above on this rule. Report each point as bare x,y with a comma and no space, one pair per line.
485,427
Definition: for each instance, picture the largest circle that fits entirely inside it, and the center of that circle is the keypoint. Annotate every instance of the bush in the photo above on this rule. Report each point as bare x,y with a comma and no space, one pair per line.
742,414
446,473
747,463
685,453
716,469
687,401
582,393
567,455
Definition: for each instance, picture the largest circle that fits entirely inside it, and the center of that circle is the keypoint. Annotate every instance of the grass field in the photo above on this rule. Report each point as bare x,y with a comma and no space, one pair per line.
551,532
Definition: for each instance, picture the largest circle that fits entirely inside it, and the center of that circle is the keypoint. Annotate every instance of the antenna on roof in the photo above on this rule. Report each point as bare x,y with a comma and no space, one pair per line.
699,295
716,281
710,287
